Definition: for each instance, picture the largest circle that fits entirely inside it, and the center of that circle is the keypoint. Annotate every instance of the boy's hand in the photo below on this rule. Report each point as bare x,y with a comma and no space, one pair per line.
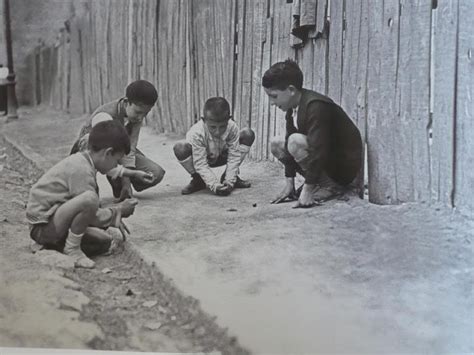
127,207
223,189
126,191
287,193
143,176
306,198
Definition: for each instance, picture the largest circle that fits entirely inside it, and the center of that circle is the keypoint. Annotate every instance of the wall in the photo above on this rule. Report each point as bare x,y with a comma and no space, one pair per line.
401,69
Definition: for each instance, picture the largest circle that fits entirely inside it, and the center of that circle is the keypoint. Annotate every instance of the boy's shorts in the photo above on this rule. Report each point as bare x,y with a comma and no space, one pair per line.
47,235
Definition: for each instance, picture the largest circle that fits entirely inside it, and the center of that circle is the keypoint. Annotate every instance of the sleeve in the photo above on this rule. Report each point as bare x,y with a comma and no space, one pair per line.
319,131
81,180
128,161
200,161
233,158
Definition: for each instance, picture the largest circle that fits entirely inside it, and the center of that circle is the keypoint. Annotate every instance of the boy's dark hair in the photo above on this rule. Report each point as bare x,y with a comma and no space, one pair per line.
109,134
283,74
141,92
218,108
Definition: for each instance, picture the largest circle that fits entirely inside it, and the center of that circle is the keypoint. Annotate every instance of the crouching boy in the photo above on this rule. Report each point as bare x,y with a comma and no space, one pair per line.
63,207
214,141
321,141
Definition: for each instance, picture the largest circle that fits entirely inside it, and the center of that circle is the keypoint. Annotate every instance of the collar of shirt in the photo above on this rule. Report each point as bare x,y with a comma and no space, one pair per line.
295,117
89,159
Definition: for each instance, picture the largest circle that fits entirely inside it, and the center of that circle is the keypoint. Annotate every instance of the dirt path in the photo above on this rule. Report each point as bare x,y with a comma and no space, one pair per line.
348,276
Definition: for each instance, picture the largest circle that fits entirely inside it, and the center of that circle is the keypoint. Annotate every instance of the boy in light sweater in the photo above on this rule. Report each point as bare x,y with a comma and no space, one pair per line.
63,209
214,141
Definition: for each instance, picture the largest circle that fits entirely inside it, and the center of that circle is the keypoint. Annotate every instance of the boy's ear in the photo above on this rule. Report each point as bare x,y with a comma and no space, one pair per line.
292,88
109,151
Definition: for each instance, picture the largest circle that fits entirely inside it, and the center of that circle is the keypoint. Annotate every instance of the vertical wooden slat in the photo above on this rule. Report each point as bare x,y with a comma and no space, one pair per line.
444,57
335,50
464,169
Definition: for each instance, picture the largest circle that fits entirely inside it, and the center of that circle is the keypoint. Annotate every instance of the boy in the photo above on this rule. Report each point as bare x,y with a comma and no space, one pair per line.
321,141
129,111
214,141
63,206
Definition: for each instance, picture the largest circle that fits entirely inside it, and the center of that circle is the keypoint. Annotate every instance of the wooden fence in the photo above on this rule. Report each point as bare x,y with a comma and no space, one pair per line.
402,70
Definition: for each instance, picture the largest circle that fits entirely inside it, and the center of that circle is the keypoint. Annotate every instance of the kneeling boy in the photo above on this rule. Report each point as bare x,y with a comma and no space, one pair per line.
321,141
214,141
63,207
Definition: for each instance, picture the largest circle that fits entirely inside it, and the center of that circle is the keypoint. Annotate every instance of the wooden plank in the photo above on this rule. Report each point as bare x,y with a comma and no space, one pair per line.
265,103
444,57
76,104
238,59
335,50
259,33
464,171
380,170
412,165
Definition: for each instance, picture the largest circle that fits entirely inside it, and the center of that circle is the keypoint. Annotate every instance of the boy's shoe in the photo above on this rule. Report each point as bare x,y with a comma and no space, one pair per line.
81,260
196,184
241,184
35,247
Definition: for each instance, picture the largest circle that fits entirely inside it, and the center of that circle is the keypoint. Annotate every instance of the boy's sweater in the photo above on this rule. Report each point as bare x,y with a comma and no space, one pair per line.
67,179
206,150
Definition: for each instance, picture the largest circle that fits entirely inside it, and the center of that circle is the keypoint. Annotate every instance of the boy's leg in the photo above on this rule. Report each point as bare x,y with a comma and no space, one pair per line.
246,139
184,153
144,164
280,151
96,241
326,188
75,216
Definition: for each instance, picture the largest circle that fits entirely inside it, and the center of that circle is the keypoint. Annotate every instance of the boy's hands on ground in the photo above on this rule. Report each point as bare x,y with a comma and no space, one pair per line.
223,189
143,176
306,198
126,191
287,193
127,207
124,230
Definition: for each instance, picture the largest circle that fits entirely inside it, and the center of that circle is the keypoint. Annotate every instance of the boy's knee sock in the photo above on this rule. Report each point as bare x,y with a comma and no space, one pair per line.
188,165
73,249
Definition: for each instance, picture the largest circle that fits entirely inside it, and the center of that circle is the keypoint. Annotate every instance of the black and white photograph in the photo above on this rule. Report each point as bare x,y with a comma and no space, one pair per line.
236,177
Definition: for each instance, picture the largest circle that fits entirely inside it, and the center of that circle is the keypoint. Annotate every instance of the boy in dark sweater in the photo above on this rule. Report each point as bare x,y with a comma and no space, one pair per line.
129,111
321,141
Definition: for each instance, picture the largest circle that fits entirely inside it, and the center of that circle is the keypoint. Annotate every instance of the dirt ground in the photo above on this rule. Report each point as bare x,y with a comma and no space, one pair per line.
345,277
122,304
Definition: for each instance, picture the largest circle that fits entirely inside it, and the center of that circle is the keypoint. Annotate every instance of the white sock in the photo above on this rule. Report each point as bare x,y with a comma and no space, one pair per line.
73,249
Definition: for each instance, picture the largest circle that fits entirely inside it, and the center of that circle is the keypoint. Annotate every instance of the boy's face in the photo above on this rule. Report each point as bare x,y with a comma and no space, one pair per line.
283,99
136,112
108,159
216,127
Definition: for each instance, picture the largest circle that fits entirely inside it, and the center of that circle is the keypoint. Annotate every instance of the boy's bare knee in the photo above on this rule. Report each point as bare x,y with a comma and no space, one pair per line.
277,146
182,150
296,143
158,174
90,201
247,136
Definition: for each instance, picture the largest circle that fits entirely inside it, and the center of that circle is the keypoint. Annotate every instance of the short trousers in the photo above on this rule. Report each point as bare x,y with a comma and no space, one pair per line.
47,235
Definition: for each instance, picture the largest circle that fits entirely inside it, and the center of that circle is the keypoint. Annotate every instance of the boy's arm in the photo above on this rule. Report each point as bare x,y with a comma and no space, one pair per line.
129,160
200,162
233,158
318,137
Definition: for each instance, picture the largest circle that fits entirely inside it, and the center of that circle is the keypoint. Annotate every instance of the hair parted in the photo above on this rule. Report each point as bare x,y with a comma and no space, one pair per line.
141,92
283,74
